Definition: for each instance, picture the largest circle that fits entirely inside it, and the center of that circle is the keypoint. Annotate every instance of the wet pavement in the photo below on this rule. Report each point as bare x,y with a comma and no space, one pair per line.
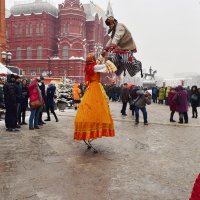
155,162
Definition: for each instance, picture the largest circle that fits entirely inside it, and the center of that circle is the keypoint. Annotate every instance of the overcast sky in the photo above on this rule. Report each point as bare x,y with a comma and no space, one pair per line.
166,32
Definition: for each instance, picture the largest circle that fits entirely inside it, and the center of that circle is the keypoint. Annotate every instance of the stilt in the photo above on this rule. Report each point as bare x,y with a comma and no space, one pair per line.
89,142
88,146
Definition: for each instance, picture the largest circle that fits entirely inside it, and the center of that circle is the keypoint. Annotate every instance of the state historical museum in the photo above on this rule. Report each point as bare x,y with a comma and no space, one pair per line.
54,42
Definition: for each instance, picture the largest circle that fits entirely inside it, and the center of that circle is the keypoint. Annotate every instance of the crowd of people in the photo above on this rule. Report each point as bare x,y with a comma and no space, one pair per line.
17,95
179,99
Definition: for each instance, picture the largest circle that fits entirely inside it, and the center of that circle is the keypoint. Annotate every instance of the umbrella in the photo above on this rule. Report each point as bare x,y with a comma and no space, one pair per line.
4,71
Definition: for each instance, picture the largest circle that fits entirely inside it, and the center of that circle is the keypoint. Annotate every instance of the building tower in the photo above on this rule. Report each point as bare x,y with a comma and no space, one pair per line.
72,32
2,27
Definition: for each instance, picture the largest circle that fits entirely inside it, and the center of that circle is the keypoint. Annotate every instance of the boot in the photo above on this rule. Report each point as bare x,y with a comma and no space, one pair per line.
180,121
56,118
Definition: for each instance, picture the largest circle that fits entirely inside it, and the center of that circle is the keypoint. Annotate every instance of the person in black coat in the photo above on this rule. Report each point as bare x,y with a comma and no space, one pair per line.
133,96
194,99
51,90
42,89
10,90
24,102
19,98
125,97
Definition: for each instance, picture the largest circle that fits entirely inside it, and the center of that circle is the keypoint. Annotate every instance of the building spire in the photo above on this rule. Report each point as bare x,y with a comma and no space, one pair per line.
109,10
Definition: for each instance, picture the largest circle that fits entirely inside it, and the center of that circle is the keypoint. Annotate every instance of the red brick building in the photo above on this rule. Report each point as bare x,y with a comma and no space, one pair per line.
48,41
2,27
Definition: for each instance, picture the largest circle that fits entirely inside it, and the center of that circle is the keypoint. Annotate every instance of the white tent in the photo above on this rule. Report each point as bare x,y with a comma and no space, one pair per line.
4,71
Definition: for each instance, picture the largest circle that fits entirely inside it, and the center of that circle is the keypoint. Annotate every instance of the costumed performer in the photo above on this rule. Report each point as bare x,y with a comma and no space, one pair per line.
122,44
93,119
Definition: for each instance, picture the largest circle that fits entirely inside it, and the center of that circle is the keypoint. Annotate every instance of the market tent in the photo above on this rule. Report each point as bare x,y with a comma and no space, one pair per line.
4,71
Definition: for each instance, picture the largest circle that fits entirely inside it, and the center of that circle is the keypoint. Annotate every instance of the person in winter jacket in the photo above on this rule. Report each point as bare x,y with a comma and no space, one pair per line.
143,99
35,96
161,95
10,98
42,89
182,102
194,99
172,104
125,98
51,90
76,95
133,97
24,102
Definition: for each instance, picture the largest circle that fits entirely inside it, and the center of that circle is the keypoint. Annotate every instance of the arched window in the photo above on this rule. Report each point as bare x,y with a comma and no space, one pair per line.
18,53
37,29
20,30
39,52
27,31
65,52
16,30
31,29
29,53
41,29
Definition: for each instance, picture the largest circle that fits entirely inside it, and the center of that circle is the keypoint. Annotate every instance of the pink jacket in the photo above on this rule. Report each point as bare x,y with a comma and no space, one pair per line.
33,91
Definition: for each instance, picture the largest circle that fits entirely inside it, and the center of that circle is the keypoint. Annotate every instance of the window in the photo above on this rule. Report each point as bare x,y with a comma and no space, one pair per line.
42,29
65,52
31,29
27,31
39,52
18,53
33,72
29,53
16,30
37,29
20,30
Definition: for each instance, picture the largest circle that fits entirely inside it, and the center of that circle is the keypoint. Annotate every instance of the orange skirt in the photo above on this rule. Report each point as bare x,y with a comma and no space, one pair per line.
93,119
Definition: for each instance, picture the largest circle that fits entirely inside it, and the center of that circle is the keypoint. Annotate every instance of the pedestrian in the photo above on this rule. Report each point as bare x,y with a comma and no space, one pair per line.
155,94
51,92
125,97
93,119
161,95
42,109
143,99
172,104
2,104
194,99
181,99
36,102
19,98
24,102
133,97
167,90
76,95
10,98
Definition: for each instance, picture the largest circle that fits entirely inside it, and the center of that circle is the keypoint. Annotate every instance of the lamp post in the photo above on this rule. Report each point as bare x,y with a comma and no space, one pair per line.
98,49
6,57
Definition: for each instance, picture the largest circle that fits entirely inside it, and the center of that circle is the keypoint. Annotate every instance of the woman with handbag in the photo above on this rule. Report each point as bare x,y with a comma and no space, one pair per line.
36,103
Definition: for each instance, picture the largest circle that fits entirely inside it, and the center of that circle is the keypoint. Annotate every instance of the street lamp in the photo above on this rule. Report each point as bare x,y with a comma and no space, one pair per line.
6,57
98,49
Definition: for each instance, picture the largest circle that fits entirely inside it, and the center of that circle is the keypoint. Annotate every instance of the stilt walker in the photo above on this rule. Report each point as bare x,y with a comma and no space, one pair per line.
93,119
